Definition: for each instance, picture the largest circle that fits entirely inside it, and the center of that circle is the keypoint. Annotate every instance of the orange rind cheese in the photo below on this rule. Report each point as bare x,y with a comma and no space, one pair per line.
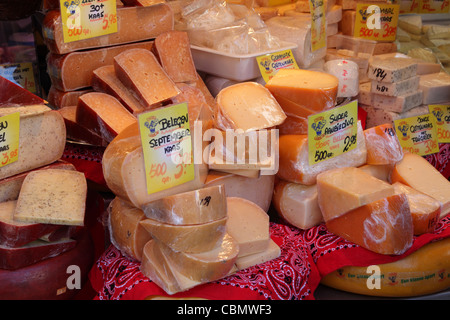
383,146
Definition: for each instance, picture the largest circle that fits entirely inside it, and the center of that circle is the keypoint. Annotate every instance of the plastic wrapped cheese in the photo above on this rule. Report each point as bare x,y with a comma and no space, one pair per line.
348,74
383,146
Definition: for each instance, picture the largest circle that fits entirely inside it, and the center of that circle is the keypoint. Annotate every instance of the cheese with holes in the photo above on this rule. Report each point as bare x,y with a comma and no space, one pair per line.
103,114
248,224
42,138
52,196
391,70
435,87
314,90
141,73
383,146
189,208
294,158
273,251
126,232
416,172
383,226
297,204
248,106
425,210
396,88
343,189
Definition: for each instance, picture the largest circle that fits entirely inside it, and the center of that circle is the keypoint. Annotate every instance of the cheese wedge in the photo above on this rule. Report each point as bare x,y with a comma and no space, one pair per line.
383,146
416,172
343,189
273,251
382,172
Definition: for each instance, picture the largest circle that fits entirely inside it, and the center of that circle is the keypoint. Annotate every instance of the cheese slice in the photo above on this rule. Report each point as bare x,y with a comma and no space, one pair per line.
248,106
383,146
416,172
125,230
248,224
425,210
273,251
52,196
343,189
297,204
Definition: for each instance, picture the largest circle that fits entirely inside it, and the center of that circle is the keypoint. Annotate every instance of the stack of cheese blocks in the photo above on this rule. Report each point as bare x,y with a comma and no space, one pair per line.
42,198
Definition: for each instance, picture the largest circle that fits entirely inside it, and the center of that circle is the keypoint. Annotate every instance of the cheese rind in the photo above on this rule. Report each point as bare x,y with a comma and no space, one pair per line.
383,146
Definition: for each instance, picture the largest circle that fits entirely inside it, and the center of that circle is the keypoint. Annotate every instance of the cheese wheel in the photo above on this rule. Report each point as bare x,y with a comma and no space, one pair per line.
416,172
248,106
314,90
343,189
297,204
248,224
347,72
125,230
423,272
383,146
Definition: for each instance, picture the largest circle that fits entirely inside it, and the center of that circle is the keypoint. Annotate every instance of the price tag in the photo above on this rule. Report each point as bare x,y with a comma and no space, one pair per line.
409,6
270,63
434,6
376,22
167,146
21,74
84,19
418,134
9,138
333,132
318,24
441,114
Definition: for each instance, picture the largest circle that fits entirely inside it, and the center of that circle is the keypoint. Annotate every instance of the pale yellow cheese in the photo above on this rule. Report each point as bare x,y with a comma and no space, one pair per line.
273,251
381,171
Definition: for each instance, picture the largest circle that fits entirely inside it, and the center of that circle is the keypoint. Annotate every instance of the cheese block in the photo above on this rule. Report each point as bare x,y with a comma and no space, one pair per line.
347,72
293,108
191,94
103,114
258,190
273,251
141,73
344,189
52,196
42,138
377,116
133,24
104,80
383,146
314,90
189,208
248,224
418,173
194,238
294,125
33,252
59,99
248,106
63,232
172,48
204,266
124,170
391,70
347,23
382,172
396,88
435,87
76,131
411,23
10,187
66,73
15,233
294,158
425,210
126,232
383,226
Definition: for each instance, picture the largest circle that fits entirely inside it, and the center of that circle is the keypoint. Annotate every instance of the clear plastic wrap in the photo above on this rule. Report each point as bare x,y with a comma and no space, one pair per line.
383,146
348,74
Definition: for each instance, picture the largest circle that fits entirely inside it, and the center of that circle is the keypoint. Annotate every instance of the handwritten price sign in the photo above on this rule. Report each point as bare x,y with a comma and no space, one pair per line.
441,114
167,146
9,138
376,22
84,19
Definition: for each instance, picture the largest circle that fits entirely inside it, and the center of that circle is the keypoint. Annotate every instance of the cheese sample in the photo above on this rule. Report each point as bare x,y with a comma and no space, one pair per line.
396,88
347,72
104,80
435,87
343,189
382,172
248,224
173,50
103,114
141,73
194,238
418,173
73,71
258,190
133,24
383,226
52,196
126,232
425,210
314,90
391,70
189,208
42,138
383,146
273,251
297,204
60,99
248,106
294,158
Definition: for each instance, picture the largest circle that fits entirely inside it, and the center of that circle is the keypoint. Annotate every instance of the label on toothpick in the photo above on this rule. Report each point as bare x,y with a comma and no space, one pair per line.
9,138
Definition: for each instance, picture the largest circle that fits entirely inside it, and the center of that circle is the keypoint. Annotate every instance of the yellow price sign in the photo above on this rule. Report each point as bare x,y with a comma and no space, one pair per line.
9,138
167,147
441,114
318,24
21,73
270,63
376,21
333,132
